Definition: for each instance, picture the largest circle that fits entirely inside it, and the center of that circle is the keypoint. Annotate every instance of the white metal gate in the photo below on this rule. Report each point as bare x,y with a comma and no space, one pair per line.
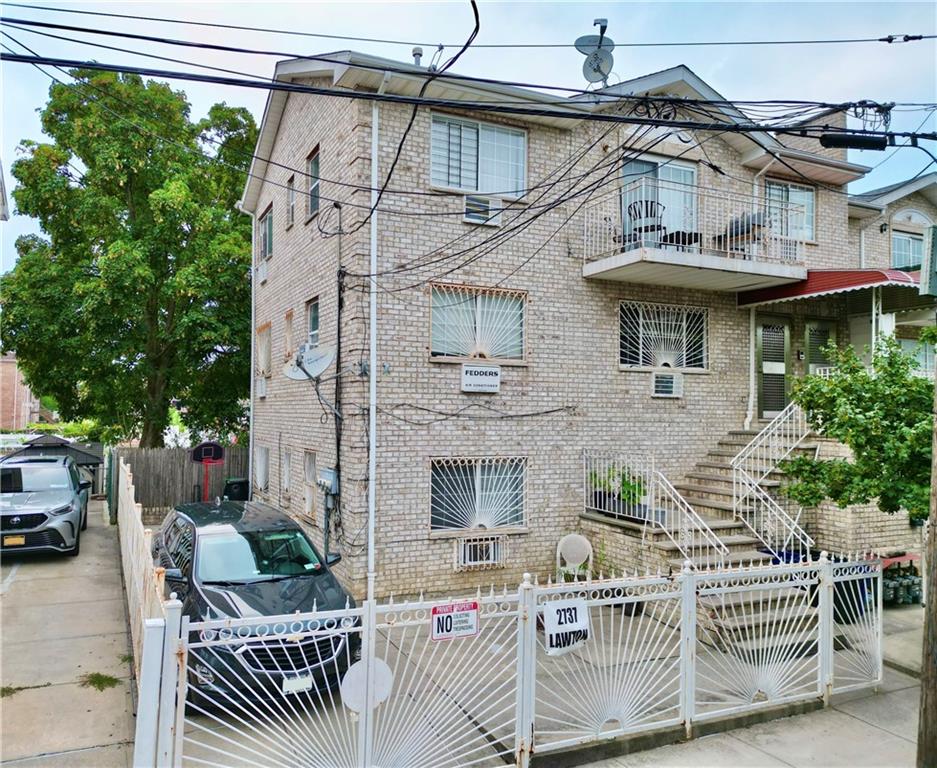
661,651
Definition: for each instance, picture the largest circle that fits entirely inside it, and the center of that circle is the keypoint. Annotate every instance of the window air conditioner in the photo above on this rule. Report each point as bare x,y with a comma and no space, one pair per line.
261,387
483,210
667,384
262,271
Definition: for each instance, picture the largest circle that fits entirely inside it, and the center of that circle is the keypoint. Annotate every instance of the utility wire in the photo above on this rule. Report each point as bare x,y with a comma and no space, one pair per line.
890,39
445,103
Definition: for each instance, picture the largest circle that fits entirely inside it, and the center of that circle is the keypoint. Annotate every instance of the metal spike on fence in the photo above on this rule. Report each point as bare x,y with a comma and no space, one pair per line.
549,580
658,572
421,595
491,590
315,606
478,593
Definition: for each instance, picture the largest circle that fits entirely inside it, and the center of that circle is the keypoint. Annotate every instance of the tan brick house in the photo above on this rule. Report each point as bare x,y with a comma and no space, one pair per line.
546,286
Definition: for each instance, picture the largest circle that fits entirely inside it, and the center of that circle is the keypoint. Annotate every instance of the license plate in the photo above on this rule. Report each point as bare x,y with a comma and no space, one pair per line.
297,684
14,541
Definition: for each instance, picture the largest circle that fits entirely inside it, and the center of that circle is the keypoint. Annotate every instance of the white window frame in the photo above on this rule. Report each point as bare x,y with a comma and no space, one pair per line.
261,467
265,234
312,184
911,237
809,233
647,330
477,495
481,338
312,336
479,125
310,484
290,202
264,350
288,342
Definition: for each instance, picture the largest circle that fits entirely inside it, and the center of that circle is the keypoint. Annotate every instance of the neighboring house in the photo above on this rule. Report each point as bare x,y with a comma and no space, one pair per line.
18,405
663,308
89,457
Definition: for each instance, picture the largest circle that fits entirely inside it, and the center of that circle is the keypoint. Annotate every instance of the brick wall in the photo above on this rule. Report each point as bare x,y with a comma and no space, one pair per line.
18,406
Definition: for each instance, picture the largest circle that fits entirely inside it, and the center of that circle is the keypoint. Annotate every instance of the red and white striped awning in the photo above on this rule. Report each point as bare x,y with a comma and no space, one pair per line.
827,282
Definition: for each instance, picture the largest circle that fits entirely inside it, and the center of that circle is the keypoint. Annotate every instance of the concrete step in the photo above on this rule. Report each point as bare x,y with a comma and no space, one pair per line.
735,542
717,505
721,465
723,481
790,645
731,450
745,625
706,491
740,600
744,556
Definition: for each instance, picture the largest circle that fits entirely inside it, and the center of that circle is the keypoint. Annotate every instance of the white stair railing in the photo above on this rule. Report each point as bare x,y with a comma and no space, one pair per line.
775,521
630,488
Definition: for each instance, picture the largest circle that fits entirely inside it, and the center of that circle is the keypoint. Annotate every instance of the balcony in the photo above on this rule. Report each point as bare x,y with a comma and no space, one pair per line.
666,233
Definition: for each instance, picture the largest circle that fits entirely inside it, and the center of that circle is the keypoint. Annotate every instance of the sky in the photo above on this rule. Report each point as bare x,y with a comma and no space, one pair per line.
900,72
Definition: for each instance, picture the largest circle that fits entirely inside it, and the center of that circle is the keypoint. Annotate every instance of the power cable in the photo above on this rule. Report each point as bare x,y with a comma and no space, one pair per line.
890,39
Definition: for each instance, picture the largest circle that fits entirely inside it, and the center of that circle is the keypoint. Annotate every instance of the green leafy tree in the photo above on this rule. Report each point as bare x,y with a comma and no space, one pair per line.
883,415
137,296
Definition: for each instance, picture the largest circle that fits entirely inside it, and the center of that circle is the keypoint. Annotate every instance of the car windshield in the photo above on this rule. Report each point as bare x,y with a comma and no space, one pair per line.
239,556
29,478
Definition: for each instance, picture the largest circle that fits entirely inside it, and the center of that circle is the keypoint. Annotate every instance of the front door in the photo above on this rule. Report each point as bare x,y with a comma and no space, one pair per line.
819,334
773,359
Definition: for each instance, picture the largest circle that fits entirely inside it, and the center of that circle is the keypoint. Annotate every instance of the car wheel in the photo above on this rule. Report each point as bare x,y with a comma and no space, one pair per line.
73,552
84,519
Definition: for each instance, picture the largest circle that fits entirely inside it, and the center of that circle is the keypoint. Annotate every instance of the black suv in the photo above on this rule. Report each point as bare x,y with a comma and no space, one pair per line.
246,559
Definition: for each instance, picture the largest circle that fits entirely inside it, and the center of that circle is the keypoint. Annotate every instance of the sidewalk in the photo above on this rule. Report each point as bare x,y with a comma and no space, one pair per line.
903,642
63,618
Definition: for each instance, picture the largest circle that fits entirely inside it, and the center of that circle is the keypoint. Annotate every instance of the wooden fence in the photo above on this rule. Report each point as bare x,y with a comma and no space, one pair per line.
164,477
142,580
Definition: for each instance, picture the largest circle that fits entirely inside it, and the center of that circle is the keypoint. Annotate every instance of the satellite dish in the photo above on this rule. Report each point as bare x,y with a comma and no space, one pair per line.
310,363
597,66
598,52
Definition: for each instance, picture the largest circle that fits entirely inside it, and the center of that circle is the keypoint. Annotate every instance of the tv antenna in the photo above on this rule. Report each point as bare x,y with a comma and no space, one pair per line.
598,52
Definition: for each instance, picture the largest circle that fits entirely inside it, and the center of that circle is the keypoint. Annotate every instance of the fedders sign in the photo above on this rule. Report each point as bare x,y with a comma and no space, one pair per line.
565,625
481,378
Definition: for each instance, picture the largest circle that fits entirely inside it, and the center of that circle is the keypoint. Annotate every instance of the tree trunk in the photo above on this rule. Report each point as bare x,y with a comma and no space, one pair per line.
927,726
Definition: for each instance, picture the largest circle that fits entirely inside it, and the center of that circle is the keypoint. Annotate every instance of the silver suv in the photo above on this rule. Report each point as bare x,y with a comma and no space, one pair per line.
43,504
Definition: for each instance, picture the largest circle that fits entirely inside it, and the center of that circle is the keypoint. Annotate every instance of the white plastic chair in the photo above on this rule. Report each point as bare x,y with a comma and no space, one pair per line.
572,553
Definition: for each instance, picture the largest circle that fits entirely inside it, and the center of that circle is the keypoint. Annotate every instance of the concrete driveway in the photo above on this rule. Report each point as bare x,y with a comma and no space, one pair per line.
65,670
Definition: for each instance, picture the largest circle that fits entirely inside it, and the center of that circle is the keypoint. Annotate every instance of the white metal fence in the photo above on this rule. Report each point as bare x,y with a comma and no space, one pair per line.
484,680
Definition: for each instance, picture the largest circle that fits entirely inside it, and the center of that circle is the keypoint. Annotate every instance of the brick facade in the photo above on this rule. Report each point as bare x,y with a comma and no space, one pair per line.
18,405
567,395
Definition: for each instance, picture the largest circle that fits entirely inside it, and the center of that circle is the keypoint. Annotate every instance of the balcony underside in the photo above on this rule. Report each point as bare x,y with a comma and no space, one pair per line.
687,269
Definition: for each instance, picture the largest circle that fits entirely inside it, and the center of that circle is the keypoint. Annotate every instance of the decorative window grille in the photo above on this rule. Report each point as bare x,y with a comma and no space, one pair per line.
309,484
907,250
265,233
312,321
485,493
480,552
261,467
797,220
477,323
312,179
264,363
478,157
290,202
663,336
285,471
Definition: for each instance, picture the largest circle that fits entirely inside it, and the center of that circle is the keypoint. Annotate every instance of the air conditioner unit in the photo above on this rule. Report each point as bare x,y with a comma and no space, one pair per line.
260,388
262,271
667,384
480,552
483,210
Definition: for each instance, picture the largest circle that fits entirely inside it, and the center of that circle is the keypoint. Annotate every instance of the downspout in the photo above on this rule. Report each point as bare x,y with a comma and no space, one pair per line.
752,387
372,343
337,411
250,423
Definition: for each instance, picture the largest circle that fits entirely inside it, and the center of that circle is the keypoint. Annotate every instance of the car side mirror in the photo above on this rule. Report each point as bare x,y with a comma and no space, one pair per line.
332,559
175,576
84,485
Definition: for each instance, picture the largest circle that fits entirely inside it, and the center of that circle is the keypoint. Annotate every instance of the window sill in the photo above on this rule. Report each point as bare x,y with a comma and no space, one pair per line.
507,363
469,533
646,369
310,217
474,192
289,226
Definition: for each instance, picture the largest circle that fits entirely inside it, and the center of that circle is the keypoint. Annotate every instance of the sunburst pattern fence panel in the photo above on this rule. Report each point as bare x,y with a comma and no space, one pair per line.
625,679
757,638
857,624
264,691
452,701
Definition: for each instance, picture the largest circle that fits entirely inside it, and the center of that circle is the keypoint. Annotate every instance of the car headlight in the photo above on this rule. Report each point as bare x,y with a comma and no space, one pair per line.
62,510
